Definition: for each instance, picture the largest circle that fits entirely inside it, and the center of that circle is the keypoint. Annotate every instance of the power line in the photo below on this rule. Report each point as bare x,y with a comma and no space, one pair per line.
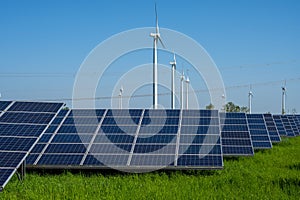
168,93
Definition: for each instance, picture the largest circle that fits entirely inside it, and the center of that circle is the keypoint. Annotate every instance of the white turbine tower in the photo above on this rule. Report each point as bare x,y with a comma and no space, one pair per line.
283,98
173,64
250,95
156,37
181,89
187,81
120,96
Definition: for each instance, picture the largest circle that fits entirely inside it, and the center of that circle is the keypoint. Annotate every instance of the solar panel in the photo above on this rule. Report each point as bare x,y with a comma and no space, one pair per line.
294,126
273,132
4,105
258,131
131,139
287,126
279,125
236,140
21,124
297,121
200,143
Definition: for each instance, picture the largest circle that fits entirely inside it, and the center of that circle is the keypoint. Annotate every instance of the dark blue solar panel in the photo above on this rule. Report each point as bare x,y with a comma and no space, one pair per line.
57,121
4,104
62,113
63,148
200,113
11,159
86,113
121,121
29,118
209,161
51,129
5,174
31,158
71,138
45,138
111,148
35,107
124,112
20,127
16,144
152,148
157,139
115,139
287,126
60,159
117,129
294,126
273,132
92,160
77,129
38,148
81,121
258,131
21,130
279,125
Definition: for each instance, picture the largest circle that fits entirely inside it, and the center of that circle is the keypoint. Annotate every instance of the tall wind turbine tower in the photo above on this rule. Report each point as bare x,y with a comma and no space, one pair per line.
187,81
120,96
250,95
283,98
156,37
181,90
173,64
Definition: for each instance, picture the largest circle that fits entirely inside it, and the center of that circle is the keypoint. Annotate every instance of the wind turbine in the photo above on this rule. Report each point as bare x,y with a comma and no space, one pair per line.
250,95
120,96
187,81
173,64
156,37
181,89
283,98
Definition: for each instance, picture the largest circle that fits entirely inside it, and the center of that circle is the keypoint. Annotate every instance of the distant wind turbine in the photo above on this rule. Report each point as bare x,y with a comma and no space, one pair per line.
187,81
181,89
120,96
250,95
283,98
173,64
156,37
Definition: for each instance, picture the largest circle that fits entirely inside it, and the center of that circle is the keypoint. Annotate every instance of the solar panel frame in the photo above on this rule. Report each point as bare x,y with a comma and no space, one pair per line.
279,125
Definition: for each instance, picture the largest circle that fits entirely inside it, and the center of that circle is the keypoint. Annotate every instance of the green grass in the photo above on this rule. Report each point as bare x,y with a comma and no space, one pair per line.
270,174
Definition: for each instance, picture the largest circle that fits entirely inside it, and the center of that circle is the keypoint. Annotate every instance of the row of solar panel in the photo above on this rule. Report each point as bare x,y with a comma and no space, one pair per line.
239,137
135,137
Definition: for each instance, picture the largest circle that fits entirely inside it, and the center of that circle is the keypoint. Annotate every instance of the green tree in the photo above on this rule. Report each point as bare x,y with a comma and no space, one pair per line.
231,107
210,107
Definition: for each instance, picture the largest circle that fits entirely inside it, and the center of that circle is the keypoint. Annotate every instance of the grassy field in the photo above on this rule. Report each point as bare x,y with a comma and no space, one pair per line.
270,174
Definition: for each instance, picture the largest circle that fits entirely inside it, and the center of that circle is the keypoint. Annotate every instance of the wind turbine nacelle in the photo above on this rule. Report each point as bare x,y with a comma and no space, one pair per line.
155,35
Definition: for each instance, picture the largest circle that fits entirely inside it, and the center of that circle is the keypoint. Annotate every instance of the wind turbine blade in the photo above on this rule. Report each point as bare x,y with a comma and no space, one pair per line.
161,42
157,29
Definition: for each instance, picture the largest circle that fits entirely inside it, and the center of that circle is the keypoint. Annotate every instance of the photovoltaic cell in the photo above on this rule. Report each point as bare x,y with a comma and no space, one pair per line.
36,107
236,140
258,131
273,132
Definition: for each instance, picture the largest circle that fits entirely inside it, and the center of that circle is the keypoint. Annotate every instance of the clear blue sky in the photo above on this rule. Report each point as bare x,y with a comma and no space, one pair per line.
43,43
